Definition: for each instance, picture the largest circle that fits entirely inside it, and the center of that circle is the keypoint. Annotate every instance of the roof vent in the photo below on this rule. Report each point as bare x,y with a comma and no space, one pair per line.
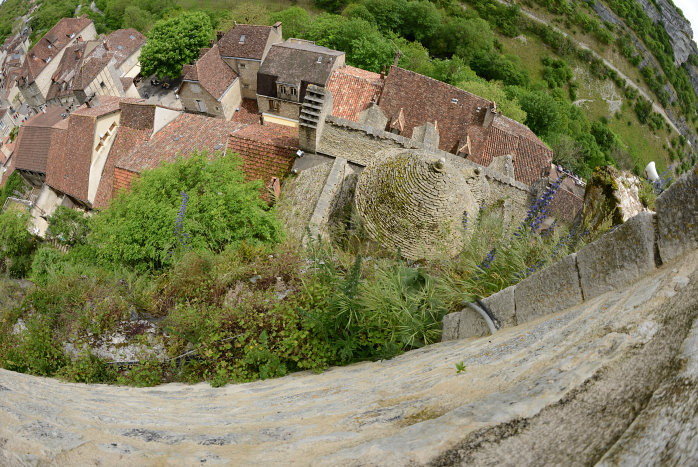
454,101
218,147
242,39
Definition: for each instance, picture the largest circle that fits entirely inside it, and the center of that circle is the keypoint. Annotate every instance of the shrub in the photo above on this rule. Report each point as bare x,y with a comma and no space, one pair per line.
87,368
47,264
16,243
68,226
143,228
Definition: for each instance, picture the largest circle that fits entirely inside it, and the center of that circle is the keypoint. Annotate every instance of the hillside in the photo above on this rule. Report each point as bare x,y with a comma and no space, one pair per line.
629,66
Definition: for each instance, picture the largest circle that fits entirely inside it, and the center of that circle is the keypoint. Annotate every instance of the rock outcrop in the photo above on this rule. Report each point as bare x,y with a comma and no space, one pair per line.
611,194
677,27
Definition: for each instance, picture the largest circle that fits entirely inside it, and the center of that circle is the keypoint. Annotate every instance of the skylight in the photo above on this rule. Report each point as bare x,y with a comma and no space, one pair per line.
319,59
120,47
242,39
132,37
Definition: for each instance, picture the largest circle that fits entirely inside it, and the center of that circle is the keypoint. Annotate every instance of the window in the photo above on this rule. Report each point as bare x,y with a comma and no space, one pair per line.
454,101
195,88
102,84
201,106
319,59
274,106
242,39
242,65
48,59
294,92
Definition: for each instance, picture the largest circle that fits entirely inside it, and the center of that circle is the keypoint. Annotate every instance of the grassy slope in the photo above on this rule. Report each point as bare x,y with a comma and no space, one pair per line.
639,141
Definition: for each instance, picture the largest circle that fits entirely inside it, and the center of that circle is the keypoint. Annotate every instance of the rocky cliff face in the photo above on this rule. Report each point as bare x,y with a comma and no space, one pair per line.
678,27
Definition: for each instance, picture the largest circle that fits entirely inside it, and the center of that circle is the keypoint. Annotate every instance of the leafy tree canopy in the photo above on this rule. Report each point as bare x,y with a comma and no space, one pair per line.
175,42
146,226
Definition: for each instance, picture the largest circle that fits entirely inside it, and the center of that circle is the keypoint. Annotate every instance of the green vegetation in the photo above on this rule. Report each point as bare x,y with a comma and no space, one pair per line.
173,43
244,305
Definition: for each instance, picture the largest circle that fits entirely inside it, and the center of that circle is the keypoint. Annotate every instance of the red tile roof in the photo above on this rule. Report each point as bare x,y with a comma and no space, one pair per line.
266,150
124,43
459,115
252,47
70,159
35,139
212,73
249,113
58,37
68,167
135,128
185,134
353,89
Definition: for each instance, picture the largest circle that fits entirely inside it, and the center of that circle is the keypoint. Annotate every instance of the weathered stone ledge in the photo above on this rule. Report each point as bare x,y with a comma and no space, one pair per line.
620,257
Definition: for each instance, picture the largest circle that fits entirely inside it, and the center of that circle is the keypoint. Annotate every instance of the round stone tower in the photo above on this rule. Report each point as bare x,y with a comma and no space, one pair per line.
415,201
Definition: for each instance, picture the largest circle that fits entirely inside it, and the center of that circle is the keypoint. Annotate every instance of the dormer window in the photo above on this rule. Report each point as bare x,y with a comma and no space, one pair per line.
48,59
242,39
72,34
454,101
50,46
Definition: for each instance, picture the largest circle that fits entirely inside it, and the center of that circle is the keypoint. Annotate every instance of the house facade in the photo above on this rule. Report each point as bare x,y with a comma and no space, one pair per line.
43,59
243,48
210,86
286,72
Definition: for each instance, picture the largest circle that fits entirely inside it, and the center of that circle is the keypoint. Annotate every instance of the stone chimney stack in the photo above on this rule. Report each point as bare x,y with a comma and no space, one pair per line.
219,35
317,105
489,115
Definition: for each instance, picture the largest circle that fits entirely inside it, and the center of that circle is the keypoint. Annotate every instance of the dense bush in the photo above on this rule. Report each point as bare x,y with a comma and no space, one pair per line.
16,243
193,203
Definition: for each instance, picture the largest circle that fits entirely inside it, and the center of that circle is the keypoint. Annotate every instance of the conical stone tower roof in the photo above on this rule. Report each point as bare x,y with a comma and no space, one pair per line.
414,201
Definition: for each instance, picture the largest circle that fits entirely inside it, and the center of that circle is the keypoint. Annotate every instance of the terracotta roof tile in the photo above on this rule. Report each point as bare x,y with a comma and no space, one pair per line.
68,167
461,115
353,89
252,47
185,134
58,37
214,75
35,138
266,151
249,113
124,43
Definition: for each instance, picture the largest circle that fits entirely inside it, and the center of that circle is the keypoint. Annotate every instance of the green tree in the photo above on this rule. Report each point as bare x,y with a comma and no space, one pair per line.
16,243
493,91
295,21
173,43
145,227
542,112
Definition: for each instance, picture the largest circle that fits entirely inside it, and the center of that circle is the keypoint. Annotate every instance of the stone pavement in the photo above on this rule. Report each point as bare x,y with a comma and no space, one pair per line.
612,379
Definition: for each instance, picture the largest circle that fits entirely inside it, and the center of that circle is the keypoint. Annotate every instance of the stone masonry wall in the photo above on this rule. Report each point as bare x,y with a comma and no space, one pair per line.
626,254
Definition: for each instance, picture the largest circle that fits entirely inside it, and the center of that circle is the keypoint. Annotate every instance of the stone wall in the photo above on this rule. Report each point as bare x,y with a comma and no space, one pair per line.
624,255
358,143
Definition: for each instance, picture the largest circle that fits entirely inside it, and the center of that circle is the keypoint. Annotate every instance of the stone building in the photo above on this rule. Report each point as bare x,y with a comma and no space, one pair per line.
286,72
243,48
42,60
210,86
97,68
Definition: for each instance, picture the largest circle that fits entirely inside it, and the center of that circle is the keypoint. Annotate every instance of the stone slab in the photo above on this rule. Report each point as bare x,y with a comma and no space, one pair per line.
552,289
677,217
618,257
502,306
472,324
449,327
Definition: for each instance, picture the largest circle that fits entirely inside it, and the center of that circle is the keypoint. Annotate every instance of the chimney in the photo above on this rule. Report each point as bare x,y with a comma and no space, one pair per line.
210,43
383,72
219,35
106,45
489,115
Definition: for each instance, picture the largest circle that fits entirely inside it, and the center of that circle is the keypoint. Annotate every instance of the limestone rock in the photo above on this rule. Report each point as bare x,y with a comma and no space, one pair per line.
416,202
610,193
618,257
677,214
